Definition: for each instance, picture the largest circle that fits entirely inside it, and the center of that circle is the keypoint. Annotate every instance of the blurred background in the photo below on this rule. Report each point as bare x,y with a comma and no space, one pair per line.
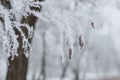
97,21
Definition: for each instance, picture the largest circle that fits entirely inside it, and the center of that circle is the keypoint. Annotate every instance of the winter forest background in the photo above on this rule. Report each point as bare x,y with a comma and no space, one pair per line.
59,39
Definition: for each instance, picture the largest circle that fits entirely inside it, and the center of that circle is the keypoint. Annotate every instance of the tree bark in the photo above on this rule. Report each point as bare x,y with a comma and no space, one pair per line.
18,67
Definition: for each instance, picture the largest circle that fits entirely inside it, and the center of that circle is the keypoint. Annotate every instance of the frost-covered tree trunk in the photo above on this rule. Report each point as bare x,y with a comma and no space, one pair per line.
18,66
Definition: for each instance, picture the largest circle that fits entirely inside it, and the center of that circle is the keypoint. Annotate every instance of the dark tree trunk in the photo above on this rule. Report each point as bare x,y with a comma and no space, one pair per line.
18,67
